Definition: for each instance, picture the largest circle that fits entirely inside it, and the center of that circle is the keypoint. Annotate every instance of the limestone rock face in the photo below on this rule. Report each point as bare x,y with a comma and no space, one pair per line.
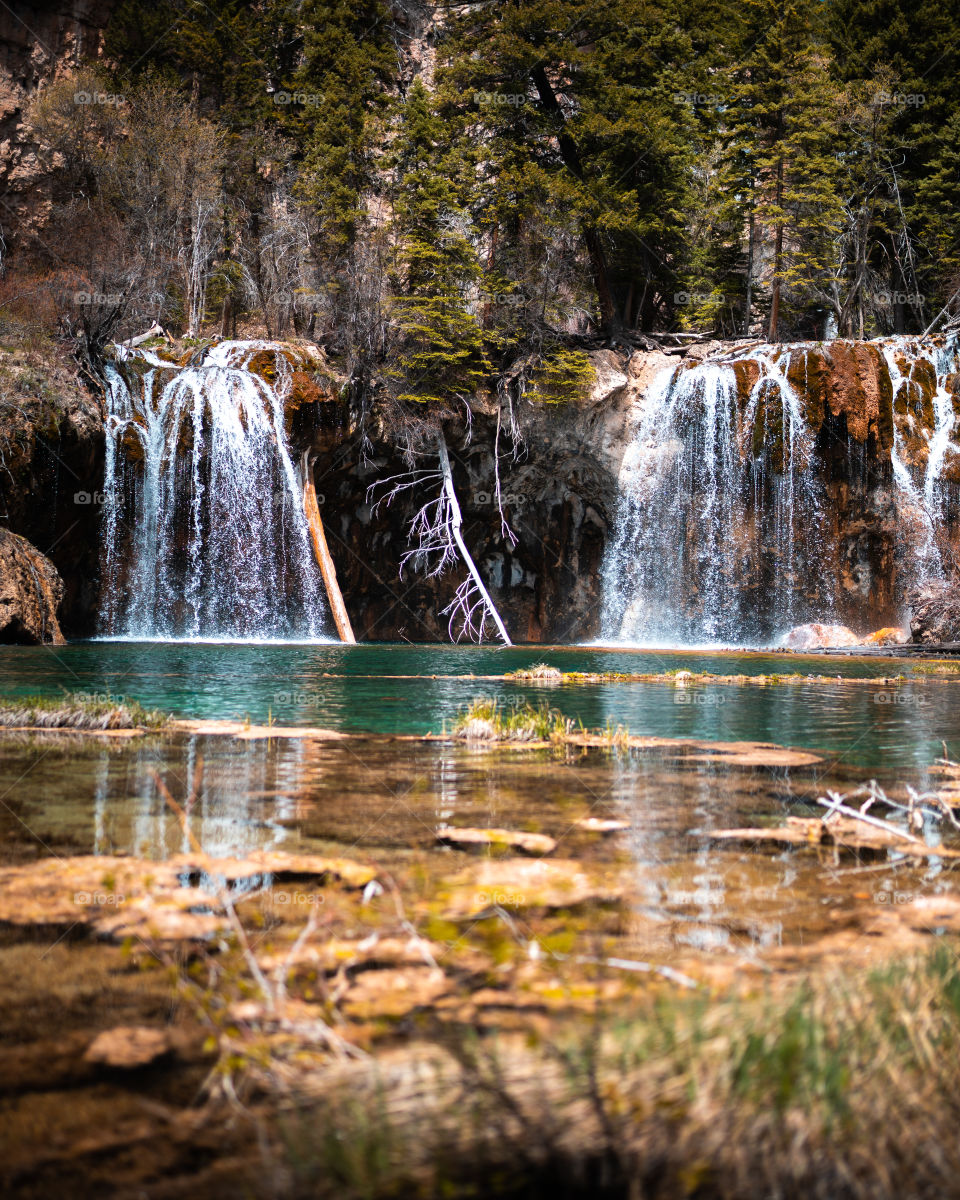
51,471
935,614
820,637
559,493
30,593
38,43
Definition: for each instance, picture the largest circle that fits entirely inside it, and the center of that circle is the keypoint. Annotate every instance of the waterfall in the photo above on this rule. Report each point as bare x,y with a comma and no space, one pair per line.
913,497
204,534
729,526
704,537
676,507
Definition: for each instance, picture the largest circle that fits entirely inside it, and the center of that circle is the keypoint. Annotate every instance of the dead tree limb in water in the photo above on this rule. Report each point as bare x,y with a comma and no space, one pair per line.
436,531
464,600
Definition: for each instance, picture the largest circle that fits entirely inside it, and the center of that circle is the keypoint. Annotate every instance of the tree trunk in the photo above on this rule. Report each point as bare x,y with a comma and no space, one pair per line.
491,259
455,524
773,333
748,304
225,316
571,158
322,551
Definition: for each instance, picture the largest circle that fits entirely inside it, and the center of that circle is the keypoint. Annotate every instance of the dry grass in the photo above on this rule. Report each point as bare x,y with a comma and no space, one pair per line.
538,673
842,1087
77,711
492,721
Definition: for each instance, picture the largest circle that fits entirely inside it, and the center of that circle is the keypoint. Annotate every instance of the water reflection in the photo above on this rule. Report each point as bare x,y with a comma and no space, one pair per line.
109,799
381,801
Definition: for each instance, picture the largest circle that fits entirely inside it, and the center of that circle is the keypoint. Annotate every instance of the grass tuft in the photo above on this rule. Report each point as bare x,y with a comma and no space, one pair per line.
538,673
491,721
78,711
843,1086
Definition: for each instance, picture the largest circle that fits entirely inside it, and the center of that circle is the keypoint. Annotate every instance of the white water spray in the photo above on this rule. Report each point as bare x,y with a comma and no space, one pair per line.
204,530
722,528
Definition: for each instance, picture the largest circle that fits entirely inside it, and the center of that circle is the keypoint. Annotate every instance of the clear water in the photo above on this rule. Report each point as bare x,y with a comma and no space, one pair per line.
375,800
380,800
403,689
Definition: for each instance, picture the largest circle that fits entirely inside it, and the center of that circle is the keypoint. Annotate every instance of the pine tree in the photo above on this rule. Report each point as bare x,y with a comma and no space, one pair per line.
224,52
908,50
781,161
938,203
572,109
870,150
441,356
339,96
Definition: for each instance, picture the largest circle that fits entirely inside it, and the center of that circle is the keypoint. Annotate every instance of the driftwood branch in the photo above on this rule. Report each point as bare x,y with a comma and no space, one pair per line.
456,523
833,802
436,532
155,330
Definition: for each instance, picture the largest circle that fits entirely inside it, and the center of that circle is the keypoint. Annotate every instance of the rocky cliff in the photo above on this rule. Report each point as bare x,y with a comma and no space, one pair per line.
559,495
38,42
51,471
562,494
562,481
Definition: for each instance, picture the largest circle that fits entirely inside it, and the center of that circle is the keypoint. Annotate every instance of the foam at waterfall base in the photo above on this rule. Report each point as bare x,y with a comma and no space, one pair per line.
675,646
135,639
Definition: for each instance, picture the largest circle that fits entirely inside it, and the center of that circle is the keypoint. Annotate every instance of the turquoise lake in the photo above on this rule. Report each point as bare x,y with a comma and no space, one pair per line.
406,689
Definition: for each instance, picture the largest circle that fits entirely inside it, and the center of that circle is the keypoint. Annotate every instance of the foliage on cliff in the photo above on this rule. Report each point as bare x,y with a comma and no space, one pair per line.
593,171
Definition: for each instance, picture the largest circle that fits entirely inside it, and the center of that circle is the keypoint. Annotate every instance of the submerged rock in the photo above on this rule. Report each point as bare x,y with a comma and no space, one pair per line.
514,883
935,614
129,1046
820,637
601,825
30,593
183,899
516,839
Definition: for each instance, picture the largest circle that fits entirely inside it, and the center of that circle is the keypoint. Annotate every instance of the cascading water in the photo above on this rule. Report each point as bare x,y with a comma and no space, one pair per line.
203,525
728,529
704,543
920,448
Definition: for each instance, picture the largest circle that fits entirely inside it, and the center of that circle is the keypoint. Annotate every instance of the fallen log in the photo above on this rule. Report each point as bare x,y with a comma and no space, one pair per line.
155,330
842,832
322,552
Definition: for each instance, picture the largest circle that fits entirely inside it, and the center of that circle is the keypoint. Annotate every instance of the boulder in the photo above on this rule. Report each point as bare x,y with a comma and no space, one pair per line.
30,593
701,351
935,613
820,637
890,635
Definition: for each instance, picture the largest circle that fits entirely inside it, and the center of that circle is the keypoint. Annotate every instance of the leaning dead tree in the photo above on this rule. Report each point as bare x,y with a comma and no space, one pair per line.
436,534
321,551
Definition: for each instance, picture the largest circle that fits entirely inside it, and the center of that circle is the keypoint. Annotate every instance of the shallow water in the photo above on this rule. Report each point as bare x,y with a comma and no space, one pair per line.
399,689
381,802
380,799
